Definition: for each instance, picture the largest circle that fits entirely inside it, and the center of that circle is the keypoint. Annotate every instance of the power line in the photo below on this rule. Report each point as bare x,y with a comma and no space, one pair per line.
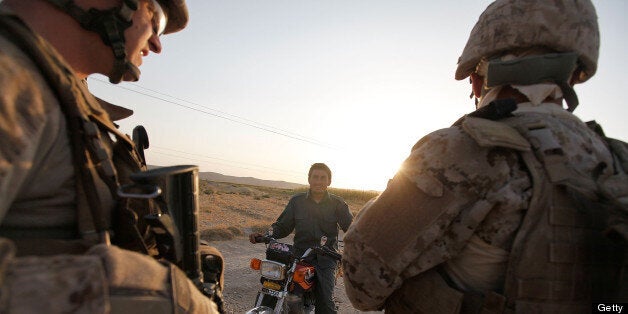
195,159
231,161
225,113
293,174
221,114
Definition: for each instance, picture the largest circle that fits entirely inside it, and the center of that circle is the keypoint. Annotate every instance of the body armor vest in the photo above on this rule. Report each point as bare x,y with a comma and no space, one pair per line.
91,132
562,260
570,249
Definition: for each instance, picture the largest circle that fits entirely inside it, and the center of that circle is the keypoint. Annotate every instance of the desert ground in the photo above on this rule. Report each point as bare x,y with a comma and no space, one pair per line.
229,212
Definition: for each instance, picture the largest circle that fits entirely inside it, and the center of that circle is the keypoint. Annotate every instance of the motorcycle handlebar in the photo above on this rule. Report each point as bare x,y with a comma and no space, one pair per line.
323,250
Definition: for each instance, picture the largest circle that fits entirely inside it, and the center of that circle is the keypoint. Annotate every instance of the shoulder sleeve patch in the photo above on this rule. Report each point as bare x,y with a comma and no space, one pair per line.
489,133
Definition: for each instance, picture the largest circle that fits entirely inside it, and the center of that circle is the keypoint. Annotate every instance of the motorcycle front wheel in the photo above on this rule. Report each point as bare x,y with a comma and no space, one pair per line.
267,300
293,304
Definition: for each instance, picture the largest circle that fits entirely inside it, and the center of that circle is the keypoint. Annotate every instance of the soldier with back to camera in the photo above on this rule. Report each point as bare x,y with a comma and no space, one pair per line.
519,206
64,245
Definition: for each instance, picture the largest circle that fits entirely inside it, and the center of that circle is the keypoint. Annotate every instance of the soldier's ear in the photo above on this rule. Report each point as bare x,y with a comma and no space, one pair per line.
476,84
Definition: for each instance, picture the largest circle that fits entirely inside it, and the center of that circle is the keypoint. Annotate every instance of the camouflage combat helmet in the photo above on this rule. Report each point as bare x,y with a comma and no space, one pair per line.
177,14
561,25
110,25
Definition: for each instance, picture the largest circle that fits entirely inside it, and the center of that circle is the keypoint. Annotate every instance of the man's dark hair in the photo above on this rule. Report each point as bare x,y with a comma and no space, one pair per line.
319,166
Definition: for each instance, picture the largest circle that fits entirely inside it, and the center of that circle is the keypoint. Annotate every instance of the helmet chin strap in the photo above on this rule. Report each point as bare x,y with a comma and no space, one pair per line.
110,25
123,70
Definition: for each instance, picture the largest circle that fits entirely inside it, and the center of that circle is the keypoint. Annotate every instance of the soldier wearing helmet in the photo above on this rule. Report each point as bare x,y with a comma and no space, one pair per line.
522,212
65,245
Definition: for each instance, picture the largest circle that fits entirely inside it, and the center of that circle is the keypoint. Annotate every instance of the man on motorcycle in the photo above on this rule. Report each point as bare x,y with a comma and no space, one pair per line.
64,244
311,215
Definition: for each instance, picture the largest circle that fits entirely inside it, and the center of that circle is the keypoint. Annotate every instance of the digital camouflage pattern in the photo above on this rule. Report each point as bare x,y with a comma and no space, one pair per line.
451,187
472,185
106,279
59,284
506,25
408,229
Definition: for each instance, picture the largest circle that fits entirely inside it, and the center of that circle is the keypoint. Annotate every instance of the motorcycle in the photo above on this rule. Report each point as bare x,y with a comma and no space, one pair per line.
288,280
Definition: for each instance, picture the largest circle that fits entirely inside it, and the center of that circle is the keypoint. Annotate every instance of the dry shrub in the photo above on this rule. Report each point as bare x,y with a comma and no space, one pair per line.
234,210
235,231
261,228
217,234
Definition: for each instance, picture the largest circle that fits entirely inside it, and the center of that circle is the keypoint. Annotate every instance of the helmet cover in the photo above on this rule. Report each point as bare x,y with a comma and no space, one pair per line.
562,25
177,13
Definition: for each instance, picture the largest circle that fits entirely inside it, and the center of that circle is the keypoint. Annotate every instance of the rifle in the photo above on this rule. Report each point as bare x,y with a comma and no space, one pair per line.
174,222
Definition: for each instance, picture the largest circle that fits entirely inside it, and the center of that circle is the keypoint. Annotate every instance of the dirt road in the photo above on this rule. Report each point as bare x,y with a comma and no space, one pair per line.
242,283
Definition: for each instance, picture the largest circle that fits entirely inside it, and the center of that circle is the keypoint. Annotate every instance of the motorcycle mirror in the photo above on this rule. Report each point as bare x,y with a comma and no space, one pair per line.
323,240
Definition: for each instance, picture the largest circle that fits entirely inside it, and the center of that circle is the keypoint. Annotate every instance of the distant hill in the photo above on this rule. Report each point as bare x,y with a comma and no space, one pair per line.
217,177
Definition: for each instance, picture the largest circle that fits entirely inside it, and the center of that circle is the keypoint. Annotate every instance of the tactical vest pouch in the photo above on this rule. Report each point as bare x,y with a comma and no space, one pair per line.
57,284
615,188
426,293
489,133
213,265
571,263
105,280
139,284
560,261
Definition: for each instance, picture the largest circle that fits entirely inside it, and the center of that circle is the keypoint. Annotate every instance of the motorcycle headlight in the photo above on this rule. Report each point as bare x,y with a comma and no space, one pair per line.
273,270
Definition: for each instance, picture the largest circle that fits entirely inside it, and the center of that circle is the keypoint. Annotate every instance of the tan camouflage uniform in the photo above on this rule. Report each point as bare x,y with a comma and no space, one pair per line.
500,27
37,184
445,225
447,190
38,200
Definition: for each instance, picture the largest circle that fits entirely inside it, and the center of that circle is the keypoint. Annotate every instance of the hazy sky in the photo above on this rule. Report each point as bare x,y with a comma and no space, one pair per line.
266,88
